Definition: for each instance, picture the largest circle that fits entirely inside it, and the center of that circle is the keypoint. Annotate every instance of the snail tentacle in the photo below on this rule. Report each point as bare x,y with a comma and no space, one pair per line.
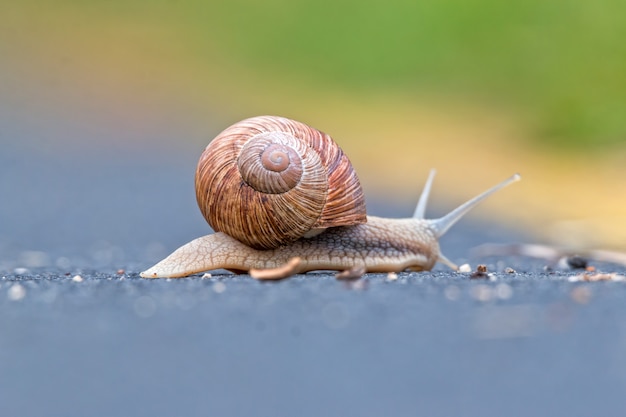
420,210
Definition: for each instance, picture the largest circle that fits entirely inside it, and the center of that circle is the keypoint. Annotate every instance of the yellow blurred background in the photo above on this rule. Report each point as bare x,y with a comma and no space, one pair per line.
476,89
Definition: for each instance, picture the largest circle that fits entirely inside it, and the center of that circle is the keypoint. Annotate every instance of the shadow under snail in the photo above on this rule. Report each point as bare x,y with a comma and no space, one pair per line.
284,199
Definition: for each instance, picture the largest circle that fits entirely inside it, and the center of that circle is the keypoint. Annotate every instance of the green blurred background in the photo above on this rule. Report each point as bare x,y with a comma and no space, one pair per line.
478,89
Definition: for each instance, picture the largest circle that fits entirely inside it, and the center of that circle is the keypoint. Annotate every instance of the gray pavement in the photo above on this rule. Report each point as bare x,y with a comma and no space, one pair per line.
435,344
77,338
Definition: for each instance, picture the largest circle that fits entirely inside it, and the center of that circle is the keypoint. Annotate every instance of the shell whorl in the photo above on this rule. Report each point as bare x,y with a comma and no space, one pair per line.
268,181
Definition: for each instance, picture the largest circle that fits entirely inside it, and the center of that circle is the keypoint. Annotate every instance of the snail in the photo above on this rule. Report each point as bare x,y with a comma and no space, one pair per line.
283,199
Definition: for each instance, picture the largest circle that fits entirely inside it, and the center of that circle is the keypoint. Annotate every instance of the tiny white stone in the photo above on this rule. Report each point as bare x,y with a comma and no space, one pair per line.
16,292
452,292
206,275
219,287
336,315
34,258
563,264
63,263
145,306
482,293
392,276
503,291
77,278
185,302
465,268
49,296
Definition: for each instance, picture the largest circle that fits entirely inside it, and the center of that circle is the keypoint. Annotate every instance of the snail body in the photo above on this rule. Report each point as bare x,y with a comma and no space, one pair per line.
337,235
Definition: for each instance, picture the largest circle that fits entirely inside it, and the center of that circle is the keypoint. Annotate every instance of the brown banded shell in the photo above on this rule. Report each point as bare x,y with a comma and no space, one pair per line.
268,181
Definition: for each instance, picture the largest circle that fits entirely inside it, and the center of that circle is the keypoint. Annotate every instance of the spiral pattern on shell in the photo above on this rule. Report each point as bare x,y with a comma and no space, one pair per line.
268,181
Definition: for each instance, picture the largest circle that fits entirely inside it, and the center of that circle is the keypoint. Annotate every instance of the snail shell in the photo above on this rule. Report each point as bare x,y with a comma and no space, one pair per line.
268,181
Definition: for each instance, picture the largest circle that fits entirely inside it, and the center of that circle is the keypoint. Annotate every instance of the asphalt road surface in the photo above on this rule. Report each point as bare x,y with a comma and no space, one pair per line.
435,344
82,335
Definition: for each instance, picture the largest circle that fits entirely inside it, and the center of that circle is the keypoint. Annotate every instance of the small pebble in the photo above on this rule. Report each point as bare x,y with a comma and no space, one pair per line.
581,295
481,272
77,278
392,276
358,285
353,273
49,296
34,259
576,262
482,293
596,277
510,270
144,306
465,268
16,292
63,263
206,275
335,315
120,272
504,291
452,292
219,287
